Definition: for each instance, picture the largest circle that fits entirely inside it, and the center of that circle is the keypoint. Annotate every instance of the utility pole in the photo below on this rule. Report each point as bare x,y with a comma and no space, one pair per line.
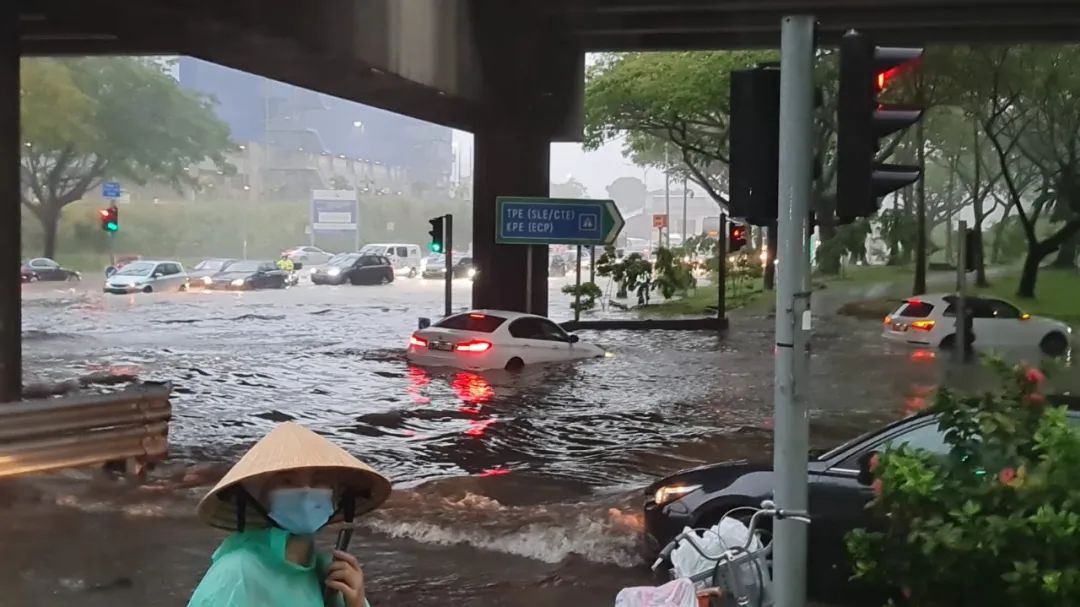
10,190
448,240
684,211
790,440
667,200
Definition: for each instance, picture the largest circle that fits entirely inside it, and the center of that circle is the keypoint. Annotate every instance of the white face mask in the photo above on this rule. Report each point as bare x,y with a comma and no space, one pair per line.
301,510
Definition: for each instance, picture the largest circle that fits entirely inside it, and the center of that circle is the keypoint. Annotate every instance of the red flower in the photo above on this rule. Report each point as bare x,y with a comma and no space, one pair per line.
878,487
1006,475
875,461
1034,399
1033,376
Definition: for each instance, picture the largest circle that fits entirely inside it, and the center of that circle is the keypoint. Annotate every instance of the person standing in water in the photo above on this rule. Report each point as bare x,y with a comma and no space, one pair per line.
290,485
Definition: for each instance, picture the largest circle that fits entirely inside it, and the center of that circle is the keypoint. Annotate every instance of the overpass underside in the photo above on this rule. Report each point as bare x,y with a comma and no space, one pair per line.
510,71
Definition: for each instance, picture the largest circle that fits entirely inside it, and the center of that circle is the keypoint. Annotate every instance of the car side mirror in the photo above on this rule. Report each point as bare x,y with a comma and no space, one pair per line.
574,339
157,275
866,475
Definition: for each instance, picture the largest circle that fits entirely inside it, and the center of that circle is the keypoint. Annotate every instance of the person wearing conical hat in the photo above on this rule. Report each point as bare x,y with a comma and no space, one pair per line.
290,485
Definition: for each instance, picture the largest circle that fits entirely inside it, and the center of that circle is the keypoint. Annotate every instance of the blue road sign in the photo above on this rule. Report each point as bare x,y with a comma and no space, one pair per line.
110,189
556,221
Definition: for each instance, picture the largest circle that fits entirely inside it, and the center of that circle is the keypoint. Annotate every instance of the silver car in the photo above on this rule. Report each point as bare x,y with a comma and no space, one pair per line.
308,255
148,277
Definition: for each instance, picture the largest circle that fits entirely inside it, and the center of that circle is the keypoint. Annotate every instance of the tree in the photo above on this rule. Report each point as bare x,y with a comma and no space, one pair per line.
571,188
1027,102
87,119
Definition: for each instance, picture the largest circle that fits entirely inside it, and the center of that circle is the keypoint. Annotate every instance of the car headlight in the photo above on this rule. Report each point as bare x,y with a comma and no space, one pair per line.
206,280
239,282
334,271
472,272
671,493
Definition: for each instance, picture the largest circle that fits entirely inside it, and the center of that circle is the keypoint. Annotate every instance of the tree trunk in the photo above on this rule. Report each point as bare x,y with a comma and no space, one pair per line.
826,219
1030,273
49,216
920,203
1066,257
980,215
770,265
999,230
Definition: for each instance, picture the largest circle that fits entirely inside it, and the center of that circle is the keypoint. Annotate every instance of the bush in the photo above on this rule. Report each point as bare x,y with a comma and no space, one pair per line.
994,523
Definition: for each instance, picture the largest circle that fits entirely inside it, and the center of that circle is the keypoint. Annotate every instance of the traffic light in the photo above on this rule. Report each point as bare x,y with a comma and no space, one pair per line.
865,71
110,219
754,144
736,237
437,234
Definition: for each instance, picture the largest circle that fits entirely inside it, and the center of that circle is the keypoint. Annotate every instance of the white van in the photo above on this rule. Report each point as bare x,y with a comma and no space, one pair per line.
404,257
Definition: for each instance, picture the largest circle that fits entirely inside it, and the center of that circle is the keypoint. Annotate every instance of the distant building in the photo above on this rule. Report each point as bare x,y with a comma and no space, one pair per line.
311,140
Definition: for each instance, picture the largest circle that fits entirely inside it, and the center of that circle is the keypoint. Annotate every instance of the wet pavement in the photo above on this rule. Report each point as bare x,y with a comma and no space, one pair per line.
512,489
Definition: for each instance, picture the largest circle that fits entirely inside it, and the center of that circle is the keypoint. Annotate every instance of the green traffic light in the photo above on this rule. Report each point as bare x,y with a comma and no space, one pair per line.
112,227
435,247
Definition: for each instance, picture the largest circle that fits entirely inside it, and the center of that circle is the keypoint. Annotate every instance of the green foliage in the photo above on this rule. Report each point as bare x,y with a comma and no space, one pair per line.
850,240
899,230
996,521
589,292
631,274
674,273
87,119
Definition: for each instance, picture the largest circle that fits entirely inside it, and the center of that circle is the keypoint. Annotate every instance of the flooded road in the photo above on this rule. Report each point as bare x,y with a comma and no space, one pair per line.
534,478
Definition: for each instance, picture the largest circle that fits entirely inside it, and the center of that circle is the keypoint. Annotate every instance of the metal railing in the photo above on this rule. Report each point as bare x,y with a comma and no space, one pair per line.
85,429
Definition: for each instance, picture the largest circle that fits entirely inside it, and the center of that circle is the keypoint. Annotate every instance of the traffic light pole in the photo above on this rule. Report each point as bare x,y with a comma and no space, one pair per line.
10,252
960,343
721,268
448,242
791,436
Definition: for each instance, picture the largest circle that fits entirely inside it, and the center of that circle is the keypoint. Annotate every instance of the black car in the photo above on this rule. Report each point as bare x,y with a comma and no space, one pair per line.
248,275
436,268
354,268
43,268
839,490
203,273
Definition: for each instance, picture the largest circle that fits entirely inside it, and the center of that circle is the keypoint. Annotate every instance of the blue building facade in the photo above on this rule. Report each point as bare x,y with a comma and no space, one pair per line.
260,110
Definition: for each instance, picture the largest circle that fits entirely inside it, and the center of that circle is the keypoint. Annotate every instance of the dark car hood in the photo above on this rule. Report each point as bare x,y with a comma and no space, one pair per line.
710,472
230,276
201,273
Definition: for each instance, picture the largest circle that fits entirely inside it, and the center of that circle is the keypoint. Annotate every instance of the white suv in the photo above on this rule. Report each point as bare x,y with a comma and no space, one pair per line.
930,321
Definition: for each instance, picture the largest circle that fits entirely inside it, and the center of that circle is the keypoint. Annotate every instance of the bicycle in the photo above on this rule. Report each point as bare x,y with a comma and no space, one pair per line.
726,579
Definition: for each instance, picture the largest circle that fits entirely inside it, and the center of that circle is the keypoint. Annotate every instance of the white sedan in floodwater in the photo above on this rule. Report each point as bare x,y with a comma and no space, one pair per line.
496,339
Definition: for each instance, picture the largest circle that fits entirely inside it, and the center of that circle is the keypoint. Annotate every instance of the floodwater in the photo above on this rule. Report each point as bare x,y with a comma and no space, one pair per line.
511,489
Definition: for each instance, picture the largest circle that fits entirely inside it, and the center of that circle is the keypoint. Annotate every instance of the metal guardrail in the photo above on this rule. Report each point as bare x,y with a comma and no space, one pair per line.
85,429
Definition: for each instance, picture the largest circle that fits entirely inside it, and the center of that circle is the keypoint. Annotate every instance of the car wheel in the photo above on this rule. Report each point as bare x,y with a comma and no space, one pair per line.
148,289
514,364
182,288
384,281
412,272
1054,344
73,277
948,343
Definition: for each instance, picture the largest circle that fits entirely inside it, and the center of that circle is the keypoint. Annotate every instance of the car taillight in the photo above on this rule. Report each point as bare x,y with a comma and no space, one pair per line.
888,320
417,342
923,325
473,346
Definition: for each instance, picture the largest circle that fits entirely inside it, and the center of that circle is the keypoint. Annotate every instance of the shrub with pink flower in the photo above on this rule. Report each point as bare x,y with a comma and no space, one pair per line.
995,522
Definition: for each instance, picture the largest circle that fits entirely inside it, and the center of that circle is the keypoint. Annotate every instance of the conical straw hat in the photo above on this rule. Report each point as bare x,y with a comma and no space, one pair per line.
290,446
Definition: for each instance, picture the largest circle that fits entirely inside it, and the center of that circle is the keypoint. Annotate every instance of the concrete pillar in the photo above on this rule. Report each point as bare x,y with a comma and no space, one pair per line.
508,161
10,193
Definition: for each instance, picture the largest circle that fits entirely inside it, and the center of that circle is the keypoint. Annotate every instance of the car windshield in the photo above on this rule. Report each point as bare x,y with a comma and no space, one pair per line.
373,250
481,323
212,264
245,266
137,268
344,260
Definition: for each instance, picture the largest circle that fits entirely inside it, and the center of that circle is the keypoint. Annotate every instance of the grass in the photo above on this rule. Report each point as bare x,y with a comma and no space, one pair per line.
702,302
1057,293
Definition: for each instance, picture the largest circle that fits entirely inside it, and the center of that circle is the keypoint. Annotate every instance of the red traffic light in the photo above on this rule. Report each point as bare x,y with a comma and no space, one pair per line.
736,237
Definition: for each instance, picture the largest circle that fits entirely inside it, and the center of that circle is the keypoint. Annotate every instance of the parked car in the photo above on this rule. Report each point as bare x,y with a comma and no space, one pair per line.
248,275
200,275
930,321
307,255
43,268
147,277
436,268
495,339
405,258
839,490
355,268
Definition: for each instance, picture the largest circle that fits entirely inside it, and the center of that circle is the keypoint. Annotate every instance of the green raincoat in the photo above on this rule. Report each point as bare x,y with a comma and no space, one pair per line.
249,569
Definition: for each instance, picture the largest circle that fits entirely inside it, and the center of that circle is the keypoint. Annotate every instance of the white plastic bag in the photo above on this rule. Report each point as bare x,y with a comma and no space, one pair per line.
678,593
728,533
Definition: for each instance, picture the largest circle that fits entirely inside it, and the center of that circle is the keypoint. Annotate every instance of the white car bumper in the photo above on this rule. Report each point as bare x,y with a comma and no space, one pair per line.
913,338
473,361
